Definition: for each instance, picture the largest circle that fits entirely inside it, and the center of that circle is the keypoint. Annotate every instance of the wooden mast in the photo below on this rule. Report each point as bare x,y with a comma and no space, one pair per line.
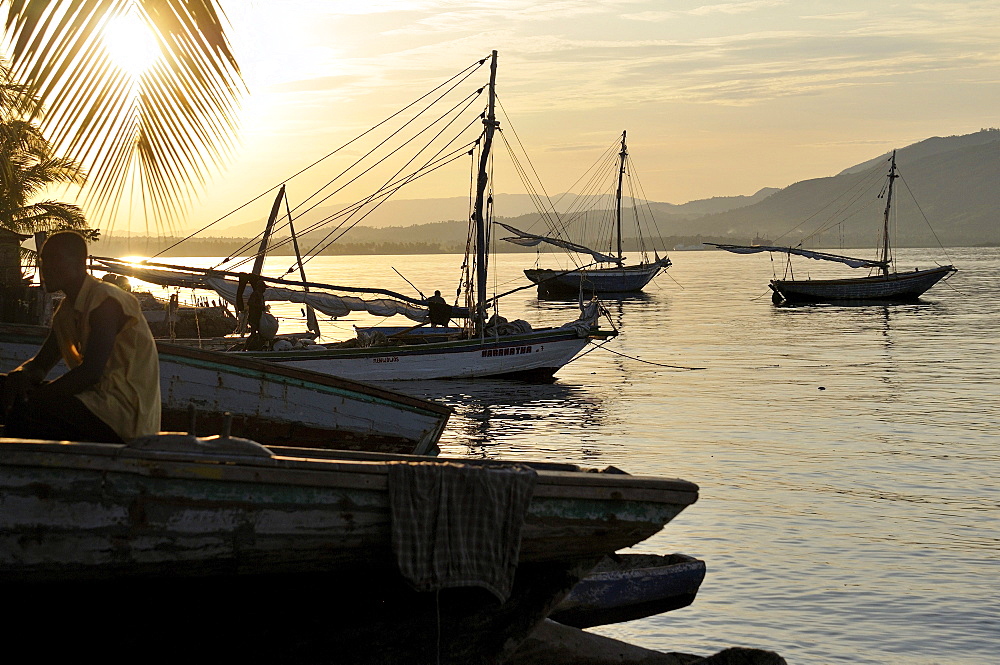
888,204
618,197
490,124
258,263
312,324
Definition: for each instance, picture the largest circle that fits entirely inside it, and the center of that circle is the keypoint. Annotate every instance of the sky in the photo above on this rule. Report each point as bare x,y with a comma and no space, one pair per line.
718,98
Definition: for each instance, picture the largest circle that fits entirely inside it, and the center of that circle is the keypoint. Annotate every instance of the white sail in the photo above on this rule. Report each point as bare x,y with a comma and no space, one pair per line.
809,254
525,239
329,304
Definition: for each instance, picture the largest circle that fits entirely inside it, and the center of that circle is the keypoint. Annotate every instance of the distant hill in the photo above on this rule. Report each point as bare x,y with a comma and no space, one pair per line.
953,181
930,147
411,212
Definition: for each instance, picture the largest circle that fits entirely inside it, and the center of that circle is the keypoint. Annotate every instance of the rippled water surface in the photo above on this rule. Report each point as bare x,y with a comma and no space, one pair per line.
848,457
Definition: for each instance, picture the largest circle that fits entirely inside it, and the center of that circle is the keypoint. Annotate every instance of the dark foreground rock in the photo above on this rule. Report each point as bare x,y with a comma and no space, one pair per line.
555,644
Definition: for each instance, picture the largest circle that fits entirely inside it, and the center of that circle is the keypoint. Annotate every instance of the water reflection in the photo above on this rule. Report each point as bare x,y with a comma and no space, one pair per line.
606,298
617,305
495,418
881,302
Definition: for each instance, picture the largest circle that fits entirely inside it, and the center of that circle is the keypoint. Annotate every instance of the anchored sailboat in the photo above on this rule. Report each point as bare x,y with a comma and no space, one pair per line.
618,278
885,285
485,346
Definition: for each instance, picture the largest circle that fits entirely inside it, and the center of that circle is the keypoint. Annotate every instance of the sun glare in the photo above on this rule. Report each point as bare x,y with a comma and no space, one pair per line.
130,44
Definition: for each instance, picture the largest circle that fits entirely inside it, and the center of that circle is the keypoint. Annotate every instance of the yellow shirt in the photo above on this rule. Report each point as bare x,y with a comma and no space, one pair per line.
127,398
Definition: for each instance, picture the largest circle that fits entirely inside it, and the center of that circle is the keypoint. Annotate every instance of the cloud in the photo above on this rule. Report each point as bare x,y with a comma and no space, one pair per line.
841,16
736,7
577,54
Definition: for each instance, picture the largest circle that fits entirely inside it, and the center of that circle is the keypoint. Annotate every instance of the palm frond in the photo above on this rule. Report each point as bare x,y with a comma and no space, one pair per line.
48,216
171,128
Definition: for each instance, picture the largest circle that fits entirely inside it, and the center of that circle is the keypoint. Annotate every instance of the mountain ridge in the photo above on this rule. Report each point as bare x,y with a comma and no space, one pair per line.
954,180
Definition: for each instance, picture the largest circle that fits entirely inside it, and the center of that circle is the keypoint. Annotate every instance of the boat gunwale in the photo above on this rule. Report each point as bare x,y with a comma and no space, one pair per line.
639,267
475,344
303,471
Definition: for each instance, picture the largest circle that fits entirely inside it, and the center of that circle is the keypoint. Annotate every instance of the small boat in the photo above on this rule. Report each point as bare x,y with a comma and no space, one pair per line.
618,278
624,587
883,286
222,547
171,319
484,347
273,404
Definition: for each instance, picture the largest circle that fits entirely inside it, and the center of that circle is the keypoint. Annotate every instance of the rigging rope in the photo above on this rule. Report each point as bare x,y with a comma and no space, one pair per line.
855,192
355,207
464,74
926,221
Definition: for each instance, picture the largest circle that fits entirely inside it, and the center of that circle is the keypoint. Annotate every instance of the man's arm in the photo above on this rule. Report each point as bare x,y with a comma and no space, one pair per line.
34,371
21,381
105,323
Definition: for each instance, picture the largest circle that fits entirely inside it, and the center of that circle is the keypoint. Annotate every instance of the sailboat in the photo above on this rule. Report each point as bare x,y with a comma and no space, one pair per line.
885,285
617,278
482,347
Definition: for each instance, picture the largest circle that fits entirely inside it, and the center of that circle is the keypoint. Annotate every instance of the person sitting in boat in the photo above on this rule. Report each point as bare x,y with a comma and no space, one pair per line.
440,310
111,392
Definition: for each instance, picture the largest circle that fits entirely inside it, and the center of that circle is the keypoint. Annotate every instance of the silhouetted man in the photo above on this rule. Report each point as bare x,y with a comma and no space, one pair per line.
111,392
440,311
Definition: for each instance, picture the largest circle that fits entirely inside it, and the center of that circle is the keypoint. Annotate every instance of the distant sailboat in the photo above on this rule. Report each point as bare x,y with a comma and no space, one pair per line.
886,285
618,278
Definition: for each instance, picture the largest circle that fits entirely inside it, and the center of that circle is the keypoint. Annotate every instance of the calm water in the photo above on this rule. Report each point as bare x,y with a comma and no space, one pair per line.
848,457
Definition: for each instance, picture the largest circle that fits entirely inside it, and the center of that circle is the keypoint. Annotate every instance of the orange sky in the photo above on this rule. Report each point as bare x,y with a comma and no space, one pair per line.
719,98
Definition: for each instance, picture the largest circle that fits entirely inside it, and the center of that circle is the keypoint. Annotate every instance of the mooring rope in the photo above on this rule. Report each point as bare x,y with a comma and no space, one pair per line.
623,355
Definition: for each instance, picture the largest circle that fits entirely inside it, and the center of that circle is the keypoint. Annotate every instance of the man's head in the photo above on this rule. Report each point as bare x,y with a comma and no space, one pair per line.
63,261
437,293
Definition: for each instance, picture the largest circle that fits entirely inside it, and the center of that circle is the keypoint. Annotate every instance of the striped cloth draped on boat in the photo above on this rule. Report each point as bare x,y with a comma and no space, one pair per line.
456,525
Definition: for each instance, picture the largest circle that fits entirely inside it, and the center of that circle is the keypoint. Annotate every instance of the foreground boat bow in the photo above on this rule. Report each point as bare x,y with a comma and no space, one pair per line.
285,558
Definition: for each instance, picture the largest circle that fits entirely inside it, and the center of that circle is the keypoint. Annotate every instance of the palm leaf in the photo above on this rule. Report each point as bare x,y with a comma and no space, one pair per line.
168,131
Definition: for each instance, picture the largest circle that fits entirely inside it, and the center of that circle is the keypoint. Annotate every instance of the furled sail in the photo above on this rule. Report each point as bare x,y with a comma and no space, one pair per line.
809,254
530,240
329,304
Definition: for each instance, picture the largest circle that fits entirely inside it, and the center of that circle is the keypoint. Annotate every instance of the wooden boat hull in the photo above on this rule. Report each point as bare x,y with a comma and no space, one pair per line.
534,356
278,558
896,286
84,511
628,279
276,405
626,587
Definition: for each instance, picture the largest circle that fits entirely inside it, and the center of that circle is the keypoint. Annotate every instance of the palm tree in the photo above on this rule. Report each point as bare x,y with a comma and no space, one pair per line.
28,165
165,128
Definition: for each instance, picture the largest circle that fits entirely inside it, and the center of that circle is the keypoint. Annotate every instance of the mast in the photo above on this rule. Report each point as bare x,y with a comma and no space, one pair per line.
888,204
490,125
258,262
312,324
618,197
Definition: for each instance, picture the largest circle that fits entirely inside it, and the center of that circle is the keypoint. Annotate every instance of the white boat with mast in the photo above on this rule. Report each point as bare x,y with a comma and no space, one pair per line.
483,347
617,278
883,285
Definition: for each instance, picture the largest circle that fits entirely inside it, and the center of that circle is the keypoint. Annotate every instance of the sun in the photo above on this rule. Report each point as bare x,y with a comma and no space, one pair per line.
130,44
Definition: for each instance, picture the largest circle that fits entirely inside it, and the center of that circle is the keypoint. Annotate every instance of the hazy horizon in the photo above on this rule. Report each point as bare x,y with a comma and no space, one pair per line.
718,98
